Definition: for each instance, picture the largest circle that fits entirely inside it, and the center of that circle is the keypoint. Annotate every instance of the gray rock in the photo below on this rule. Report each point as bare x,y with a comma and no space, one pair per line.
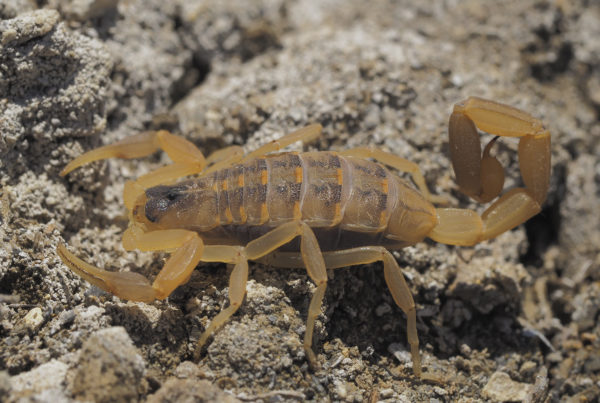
500,388
486,285
83,10
109,368
45,377
54,85
587,306
5,384
189,391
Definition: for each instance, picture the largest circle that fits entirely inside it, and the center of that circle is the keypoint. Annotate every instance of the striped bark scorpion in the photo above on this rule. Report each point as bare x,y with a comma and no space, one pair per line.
318,210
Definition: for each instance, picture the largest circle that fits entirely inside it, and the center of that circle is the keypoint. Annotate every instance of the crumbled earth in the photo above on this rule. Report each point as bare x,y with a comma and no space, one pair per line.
511,319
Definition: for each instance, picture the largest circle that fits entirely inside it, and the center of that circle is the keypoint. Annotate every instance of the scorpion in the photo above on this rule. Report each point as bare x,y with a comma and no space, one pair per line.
318,210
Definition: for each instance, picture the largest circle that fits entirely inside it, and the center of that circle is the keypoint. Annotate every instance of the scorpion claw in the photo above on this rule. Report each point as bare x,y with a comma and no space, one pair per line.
126,285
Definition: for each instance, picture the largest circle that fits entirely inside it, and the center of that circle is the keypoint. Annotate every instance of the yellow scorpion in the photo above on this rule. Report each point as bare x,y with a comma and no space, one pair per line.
318,210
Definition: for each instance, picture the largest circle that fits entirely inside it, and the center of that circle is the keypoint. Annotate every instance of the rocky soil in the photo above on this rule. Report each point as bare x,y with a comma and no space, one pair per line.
511,319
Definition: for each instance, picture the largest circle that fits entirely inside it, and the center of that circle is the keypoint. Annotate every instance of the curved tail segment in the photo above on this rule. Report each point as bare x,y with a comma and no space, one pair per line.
481,176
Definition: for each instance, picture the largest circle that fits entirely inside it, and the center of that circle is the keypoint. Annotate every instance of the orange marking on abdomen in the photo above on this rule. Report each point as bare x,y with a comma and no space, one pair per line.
263,177
383,219
340,176
240,180
264,213
298,174
297,212
228,215
338,213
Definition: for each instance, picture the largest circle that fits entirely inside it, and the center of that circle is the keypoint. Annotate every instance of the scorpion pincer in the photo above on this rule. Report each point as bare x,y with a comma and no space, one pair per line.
317,210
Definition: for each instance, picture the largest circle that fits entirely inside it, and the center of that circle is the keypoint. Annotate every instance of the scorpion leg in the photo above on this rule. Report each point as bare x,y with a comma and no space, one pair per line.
365,255
224,158
313,260
398,163
237,285
132,286
260,247
305,134
395,281
234,154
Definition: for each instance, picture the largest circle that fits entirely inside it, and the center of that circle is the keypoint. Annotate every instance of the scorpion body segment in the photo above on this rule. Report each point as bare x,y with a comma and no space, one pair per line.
348,201
317,210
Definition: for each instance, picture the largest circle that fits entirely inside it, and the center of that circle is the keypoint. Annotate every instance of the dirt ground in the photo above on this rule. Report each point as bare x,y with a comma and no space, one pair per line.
511,319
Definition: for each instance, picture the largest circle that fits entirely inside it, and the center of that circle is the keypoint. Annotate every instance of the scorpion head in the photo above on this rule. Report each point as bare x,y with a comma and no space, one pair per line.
185,205
160,205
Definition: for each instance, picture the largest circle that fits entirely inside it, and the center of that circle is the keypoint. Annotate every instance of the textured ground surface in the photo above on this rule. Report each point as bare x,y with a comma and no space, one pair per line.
512,319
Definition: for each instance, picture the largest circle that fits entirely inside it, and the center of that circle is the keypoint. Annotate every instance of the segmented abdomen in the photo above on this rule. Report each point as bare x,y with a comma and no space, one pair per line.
323,189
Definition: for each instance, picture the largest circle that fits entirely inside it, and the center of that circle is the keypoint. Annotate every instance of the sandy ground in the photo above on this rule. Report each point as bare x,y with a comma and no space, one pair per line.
511,319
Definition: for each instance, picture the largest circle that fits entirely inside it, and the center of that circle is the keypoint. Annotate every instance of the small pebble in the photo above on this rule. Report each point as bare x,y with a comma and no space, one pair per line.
34,319
503,389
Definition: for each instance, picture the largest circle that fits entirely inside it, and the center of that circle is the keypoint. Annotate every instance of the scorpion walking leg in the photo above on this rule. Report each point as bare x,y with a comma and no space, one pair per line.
135,287
237,285
223,158
234,154
395,281
305,134
398,163
260,247
313,260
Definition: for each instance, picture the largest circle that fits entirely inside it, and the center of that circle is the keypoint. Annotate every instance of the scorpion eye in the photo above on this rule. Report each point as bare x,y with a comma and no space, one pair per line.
162,198
173,195
159,198
155,209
